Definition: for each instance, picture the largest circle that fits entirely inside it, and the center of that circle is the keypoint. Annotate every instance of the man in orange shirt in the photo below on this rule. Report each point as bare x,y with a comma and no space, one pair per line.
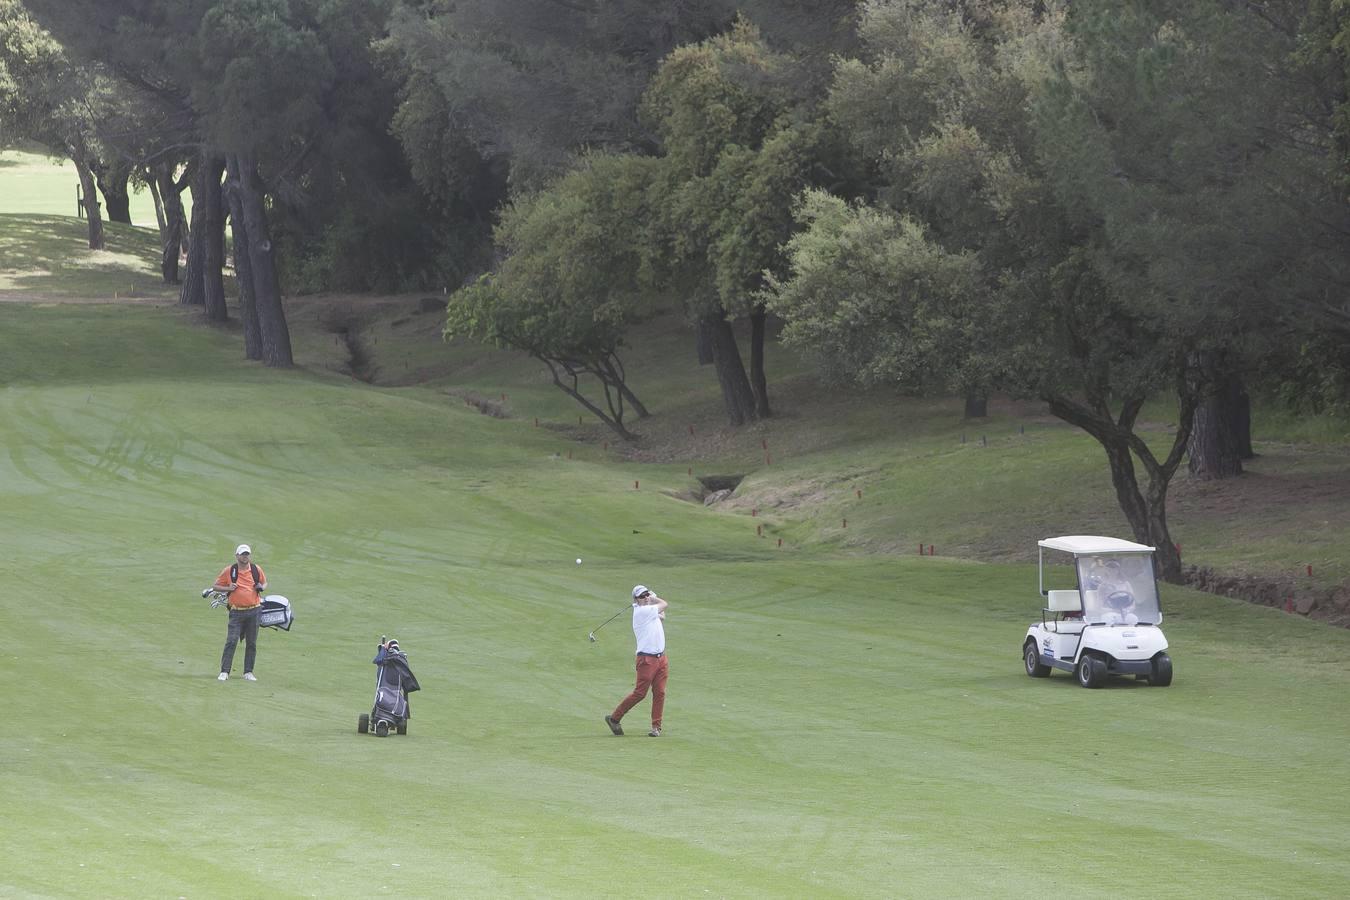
244,582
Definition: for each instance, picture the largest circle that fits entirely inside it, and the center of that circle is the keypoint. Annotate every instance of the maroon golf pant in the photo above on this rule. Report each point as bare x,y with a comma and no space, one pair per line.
651,673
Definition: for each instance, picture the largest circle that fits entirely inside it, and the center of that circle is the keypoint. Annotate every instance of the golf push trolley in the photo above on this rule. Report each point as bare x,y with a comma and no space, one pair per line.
394,681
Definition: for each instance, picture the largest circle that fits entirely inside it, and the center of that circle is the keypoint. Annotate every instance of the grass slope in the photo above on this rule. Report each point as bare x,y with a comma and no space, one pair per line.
840,723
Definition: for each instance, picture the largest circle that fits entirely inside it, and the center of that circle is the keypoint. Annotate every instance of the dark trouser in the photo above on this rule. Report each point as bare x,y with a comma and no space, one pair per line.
243,623
652,672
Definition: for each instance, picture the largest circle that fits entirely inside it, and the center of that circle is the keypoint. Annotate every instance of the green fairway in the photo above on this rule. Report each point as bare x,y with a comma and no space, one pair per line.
34,184
839,722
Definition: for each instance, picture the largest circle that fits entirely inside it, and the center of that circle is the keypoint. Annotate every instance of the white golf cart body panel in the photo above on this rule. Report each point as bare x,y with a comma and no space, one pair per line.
1112,615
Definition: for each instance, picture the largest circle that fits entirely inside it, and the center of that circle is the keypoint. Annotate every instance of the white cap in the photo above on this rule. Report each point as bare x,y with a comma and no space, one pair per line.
243,548
639,590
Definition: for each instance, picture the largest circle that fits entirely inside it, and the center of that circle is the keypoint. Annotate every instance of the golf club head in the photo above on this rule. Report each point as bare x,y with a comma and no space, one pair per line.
207,592
592,637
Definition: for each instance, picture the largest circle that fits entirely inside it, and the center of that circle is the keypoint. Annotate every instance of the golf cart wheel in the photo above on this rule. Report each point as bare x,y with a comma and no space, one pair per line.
1091,671
363,724
403,727
1032,657
1162,671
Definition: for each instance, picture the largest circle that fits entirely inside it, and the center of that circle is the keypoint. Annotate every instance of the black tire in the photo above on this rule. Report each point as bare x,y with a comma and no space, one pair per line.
363,724
1091,671
1162,671
403,727
382,728
1031,657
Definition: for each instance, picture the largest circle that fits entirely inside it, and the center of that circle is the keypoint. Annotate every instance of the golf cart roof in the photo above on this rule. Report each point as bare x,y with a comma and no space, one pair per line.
1084,544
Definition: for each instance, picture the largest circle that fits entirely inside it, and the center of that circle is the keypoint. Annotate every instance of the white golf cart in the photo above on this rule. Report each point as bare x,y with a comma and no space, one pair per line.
1108,624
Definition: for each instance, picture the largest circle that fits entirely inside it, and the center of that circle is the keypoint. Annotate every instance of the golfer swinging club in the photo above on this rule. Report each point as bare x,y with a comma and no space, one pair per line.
649,611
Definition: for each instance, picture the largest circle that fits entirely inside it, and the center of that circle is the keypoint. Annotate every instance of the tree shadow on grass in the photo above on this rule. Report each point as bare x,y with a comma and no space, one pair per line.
50,256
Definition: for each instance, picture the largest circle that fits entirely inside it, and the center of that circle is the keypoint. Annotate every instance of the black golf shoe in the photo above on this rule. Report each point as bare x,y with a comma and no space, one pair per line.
613,724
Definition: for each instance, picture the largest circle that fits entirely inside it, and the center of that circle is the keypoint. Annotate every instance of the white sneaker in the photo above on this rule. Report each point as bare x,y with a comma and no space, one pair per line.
249,676
223,676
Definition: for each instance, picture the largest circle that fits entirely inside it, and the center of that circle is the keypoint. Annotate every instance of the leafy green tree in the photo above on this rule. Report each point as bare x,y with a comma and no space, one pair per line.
871,299
47,98
570,282
738,145
966,110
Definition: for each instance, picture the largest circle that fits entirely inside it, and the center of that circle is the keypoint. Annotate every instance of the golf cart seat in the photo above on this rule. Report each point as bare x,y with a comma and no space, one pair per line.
1067,607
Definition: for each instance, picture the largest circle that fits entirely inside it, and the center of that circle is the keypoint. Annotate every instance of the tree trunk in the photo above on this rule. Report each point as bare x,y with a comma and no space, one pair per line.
113,182
1239,404
213,239
159,202
704,343
758,383
977,404
193,292
613,373
1213,446
243,268
276,337
1212,451
171,237
737,395
613,419
1146,511
90,200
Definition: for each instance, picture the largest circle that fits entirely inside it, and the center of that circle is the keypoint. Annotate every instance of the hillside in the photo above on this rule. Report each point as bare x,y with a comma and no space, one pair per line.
846,718
980,489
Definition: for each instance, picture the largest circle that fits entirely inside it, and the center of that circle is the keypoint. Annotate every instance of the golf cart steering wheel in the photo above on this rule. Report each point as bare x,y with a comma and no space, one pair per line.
1119,599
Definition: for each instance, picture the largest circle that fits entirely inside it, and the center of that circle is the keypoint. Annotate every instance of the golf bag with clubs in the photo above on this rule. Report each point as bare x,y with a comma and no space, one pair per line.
275,610
394,681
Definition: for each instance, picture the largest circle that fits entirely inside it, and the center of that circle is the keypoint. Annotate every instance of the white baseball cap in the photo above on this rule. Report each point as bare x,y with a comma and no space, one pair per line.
243,548
639,590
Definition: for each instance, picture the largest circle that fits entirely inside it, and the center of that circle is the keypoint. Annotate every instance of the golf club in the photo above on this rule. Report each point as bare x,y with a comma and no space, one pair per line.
607,621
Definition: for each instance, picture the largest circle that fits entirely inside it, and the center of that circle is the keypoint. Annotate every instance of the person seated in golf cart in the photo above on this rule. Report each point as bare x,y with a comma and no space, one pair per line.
1119,590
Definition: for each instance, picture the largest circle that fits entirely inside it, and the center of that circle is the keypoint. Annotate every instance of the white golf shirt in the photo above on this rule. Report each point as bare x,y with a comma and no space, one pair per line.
647,628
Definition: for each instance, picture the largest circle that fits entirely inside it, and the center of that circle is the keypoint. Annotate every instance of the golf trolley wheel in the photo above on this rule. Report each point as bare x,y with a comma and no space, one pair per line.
1162,671
1032,657
363,724
382,728
403,727
1091,671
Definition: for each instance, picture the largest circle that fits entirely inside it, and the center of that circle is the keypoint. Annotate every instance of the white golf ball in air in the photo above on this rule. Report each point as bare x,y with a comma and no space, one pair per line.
578,560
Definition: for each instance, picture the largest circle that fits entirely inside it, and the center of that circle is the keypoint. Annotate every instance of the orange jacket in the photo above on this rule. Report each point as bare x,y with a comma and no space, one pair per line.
246,595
